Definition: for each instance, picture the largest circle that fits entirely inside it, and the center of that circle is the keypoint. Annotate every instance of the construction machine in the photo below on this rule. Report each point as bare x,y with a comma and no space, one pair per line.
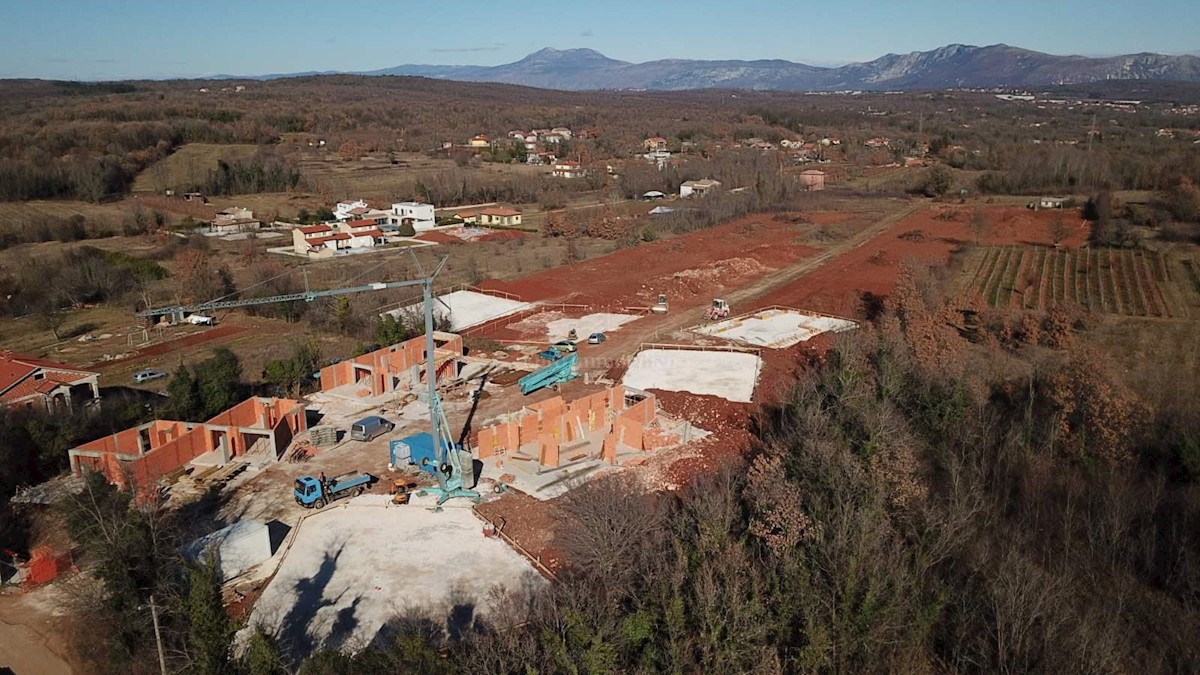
660,307
718,310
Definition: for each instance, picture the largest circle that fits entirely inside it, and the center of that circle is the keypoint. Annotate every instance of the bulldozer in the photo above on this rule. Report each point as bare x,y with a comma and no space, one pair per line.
660,307
718,310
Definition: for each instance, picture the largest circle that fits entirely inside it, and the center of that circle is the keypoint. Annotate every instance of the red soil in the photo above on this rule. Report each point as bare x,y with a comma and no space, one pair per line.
439,237
217,333
838,286
690,268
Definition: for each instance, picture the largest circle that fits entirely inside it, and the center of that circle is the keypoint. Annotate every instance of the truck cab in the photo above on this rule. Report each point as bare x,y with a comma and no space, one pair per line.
308,491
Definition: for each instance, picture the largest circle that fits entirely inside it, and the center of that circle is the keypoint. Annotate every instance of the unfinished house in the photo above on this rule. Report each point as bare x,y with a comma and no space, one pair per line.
145,453
612,426
400,367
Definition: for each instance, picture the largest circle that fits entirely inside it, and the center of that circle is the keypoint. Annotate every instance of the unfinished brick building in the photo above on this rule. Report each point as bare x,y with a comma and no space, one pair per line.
616,418
146,453
395,368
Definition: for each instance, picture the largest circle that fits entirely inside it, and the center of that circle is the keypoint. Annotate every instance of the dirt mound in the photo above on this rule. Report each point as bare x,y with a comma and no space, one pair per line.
705,281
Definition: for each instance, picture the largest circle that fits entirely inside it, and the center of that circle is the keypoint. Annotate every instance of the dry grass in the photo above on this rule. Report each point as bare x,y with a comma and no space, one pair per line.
189,164
17,213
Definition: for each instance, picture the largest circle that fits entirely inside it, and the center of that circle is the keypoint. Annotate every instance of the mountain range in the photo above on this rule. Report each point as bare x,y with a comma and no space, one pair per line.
950,66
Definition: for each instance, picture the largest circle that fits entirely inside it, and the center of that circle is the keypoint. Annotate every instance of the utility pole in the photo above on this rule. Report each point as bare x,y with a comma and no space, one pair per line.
162,660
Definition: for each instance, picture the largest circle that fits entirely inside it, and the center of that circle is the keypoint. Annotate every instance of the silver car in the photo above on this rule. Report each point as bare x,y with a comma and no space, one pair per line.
148,375
369,427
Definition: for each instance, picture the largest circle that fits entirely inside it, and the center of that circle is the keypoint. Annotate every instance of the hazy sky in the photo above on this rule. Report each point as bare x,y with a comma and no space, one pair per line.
97,39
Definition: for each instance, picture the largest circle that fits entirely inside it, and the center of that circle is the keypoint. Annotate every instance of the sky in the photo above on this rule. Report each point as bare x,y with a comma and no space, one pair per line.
119,39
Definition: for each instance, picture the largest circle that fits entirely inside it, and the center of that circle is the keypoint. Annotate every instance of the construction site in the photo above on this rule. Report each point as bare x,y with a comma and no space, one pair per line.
332,509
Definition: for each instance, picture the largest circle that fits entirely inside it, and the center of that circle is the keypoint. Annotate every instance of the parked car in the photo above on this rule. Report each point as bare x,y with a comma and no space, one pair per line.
200,320
369,427
596,338
564,346
148,375
551,355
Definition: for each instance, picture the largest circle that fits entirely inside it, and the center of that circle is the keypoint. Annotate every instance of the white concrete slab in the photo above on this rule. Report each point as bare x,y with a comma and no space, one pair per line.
350,569
234,549
776,328
467,308
586,325
729,375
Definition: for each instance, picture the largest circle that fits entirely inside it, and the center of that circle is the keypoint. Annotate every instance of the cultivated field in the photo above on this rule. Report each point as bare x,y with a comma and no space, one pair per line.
1114,281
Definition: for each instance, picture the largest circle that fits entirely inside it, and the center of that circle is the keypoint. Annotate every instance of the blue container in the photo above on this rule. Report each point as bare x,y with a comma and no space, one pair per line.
412,450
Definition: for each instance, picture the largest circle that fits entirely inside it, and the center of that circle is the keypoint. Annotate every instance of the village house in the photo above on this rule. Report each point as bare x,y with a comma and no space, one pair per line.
499,216
303,238
698,188
658,158
417,214
536,158
563,132
234,220
568,169
877,142
479,141
349,210
553,139
813,180
790,144
655,144
30,381
1048,203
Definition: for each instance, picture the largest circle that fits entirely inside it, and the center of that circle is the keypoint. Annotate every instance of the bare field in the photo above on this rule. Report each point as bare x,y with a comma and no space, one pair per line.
189,164
16,214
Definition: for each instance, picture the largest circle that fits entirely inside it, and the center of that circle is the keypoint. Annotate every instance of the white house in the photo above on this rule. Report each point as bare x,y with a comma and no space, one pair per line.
699,188
568,169
345,210
419,214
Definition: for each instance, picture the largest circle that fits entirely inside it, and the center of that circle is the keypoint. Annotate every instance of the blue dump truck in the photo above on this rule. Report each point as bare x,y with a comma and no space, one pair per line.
314,493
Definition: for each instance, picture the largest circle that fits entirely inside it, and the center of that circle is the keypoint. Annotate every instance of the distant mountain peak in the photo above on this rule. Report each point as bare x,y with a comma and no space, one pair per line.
952,65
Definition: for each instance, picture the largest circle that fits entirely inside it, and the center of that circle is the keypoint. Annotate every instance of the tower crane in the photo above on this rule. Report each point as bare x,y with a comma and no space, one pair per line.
448,453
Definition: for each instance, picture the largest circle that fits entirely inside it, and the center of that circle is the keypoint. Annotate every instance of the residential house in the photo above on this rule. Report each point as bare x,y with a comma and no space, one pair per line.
655,144
417,214
790,144
813,180
553,139
568,169
479,141
698,188
537,158
345,210
564,132
517,135
878,142
499,216
357,228
303,238
234,220
658,158
30,381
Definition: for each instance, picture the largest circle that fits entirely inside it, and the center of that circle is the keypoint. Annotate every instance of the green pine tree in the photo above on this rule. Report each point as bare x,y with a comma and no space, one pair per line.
210,630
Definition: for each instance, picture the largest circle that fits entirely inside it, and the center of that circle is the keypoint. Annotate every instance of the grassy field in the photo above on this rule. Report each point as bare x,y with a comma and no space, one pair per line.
189,164
1112,281
15,214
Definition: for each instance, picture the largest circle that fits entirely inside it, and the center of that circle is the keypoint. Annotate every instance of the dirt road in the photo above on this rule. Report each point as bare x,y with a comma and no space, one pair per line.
24,651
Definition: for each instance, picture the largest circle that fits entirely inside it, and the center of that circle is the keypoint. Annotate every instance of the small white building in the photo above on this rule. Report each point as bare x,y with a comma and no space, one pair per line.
420,215
346,210
698,188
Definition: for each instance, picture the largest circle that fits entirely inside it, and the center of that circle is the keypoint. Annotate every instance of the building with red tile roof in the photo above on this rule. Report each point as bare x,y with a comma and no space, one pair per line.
31,381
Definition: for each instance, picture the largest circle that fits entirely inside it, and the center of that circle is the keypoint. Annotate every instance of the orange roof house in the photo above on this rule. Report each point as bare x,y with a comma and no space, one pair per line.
29,381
